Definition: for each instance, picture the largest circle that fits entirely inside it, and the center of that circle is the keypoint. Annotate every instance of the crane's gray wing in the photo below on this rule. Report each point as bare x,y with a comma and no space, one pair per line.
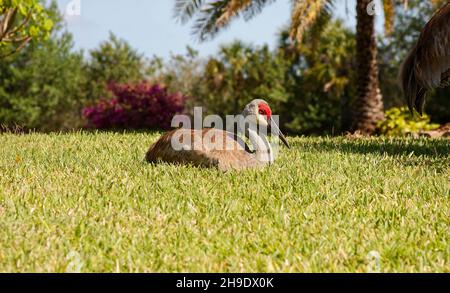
204,148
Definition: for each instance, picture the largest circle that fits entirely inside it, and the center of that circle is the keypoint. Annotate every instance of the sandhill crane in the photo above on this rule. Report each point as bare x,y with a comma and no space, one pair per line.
201,147
428,64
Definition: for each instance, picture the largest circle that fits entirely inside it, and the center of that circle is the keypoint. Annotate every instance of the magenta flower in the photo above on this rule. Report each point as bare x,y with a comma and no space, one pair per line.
138,106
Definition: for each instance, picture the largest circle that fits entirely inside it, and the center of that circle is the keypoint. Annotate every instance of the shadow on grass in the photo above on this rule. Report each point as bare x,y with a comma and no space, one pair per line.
436,148
409,152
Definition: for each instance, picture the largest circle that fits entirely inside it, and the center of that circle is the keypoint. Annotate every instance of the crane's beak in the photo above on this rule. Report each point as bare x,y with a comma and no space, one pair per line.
273,127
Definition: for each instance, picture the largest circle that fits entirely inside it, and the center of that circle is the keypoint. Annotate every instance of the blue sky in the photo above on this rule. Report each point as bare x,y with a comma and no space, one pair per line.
149,26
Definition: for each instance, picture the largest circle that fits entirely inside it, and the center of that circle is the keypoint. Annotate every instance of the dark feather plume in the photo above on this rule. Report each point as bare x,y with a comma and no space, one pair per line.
428,64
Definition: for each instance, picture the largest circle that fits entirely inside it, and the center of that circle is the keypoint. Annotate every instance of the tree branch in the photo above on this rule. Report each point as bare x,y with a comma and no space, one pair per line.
24,22
7,22
17,49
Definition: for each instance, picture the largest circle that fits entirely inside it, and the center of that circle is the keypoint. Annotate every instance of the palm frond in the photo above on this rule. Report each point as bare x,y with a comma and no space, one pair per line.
389,11
315,31
205,26
305,13
232,9
186,9
256,8
249,8
212,16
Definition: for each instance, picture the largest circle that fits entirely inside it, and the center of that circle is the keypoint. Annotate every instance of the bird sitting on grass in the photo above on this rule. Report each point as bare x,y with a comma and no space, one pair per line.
210,147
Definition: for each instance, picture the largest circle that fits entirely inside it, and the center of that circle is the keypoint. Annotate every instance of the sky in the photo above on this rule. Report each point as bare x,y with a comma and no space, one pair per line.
149,25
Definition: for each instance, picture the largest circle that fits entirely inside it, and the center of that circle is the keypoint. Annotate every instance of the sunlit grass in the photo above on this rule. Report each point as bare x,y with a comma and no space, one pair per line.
323,207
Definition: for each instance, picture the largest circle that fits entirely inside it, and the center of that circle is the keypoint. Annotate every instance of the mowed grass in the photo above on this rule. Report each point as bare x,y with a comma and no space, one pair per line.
327,205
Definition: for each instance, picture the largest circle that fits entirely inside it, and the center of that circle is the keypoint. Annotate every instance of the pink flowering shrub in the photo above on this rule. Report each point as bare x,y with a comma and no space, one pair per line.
140,106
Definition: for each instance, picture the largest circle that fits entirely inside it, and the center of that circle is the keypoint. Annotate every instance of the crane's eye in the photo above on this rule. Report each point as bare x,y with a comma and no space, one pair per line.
262,112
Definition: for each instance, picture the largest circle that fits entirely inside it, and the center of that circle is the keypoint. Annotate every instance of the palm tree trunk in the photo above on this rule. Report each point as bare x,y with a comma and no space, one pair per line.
368,106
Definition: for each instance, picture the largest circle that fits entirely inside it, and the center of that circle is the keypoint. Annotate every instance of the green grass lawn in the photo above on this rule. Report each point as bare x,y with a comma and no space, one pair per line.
89,201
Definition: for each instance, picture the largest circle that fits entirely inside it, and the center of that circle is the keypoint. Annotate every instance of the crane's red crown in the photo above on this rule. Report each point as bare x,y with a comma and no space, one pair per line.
264,109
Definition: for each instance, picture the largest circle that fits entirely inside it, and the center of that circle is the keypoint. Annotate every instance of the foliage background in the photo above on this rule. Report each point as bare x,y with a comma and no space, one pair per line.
310,85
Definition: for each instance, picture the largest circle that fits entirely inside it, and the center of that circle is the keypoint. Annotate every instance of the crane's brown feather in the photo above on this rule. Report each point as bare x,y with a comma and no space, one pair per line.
197,151
446,78
428,64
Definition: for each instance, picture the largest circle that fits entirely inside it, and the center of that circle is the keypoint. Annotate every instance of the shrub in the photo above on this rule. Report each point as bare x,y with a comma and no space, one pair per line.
399,122
138,106
114,60
42,88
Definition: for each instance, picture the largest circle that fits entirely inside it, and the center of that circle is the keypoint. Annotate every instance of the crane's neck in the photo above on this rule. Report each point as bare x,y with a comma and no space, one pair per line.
262,147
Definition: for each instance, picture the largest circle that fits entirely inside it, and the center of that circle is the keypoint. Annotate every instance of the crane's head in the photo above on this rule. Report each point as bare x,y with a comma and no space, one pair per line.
259,113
